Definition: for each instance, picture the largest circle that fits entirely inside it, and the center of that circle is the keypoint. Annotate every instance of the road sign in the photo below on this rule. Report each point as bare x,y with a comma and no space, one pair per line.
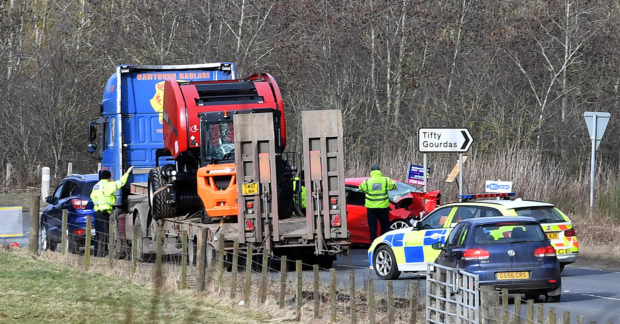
597,122
444,140
498,186
416,175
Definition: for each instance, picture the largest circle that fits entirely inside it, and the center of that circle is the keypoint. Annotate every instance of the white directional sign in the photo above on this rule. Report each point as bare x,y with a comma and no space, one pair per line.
444,140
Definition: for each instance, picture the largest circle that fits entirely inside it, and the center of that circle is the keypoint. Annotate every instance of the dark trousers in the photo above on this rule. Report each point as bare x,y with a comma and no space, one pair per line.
102,219
378,213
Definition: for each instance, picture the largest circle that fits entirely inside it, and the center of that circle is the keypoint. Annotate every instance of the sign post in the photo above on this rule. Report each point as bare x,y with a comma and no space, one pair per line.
456,140
596,122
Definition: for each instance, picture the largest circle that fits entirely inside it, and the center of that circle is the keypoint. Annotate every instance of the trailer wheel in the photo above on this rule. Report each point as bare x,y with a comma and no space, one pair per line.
142,257
192,247
158,199
204,217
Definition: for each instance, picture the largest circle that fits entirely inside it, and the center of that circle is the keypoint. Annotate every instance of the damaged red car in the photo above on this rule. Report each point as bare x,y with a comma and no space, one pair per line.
406,203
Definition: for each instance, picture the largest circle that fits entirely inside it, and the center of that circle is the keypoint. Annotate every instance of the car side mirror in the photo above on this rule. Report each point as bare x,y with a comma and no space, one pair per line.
49,199
415,224
437,245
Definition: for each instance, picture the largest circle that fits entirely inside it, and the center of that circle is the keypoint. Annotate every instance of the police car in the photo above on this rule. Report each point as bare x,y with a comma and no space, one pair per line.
410,249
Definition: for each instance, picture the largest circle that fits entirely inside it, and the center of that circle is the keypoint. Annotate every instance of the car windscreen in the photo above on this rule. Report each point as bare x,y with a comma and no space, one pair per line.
401,190
544,214
87,188
508,233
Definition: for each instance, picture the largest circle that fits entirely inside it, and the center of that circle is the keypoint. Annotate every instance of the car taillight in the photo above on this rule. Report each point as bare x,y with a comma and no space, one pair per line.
569,232
79,203
79,232
545,251
249,225
475,254
336,221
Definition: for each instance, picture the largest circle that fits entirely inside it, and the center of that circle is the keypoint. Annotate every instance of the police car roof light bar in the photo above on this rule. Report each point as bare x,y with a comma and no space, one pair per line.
468,197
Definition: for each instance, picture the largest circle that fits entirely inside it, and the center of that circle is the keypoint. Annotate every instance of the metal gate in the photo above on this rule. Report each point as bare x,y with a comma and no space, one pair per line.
451,295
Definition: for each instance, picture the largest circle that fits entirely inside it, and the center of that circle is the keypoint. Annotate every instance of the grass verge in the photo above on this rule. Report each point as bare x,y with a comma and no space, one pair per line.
36,291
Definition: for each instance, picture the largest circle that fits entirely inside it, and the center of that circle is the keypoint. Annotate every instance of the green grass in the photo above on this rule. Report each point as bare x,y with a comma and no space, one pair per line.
36,291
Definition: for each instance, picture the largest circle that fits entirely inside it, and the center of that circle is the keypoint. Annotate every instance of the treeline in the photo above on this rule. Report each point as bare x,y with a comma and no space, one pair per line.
518,74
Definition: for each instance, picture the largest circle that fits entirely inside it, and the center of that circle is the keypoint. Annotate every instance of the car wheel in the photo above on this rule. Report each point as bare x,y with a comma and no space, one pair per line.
398,224
532,295
385,263
44,243
552,299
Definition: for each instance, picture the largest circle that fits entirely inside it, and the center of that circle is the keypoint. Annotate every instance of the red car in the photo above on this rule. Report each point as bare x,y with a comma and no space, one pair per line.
406,203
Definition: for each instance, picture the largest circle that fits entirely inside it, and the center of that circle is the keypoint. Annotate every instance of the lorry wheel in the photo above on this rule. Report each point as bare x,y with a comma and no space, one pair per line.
142,257
204,217
192,247
158,199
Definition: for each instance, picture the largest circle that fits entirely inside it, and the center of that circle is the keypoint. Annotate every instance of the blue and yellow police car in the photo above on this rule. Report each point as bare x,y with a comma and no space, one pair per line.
410,249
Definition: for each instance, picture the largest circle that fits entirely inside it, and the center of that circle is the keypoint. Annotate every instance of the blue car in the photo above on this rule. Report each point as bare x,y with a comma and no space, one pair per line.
505,252
72,194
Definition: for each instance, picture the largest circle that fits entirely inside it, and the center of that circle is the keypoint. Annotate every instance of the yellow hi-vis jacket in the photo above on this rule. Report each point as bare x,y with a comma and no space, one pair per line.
376,189
103,193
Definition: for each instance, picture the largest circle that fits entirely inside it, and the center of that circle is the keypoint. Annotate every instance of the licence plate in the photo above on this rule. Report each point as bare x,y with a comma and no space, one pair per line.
553,236
249,189
512,275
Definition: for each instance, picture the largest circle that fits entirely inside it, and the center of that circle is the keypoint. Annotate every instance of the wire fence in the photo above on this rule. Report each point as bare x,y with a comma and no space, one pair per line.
249,278
240,275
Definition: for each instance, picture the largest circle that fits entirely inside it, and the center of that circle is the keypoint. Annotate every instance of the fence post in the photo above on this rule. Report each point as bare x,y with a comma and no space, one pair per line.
63,240
33,245
353,304
7,176
552,319
159,276
89,226
540,316
530,311
332,293
517,308
184,260
566,318
111,242
413,302
263,279
134,250
390,301
317,300
283,276
505,305
298,266
580,319
235,266
200,262
248,275
371,301
45,182
220,261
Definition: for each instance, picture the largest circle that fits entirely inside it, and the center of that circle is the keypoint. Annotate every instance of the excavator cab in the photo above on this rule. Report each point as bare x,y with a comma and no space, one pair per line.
216,178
